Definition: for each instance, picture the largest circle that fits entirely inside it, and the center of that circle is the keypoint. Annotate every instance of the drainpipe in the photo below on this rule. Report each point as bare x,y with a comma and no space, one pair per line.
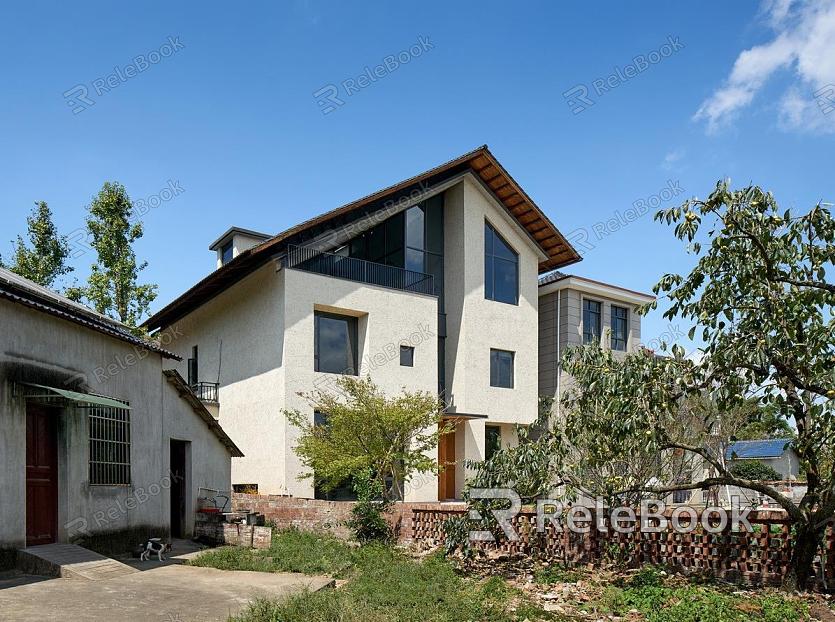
559,358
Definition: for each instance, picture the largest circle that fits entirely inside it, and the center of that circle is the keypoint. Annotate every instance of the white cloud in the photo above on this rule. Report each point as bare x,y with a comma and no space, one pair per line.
804,42
672,157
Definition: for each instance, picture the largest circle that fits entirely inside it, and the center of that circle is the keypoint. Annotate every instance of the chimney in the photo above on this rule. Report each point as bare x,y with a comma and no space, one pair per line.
234,242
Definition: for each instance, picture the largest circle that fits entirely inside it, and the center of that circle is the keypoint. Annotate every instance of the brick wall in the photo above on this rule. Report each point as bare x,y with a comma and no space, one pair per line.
250,536
327,516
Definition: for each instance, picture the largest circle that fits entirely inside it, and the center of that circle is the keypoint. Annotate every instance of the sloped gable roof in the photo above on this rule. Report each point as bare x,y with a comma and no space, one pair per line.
481,162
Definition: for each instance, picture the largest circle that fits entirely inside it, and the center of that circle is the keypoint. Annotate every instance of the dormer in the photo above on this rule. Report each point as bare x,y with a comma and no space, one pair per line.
234,242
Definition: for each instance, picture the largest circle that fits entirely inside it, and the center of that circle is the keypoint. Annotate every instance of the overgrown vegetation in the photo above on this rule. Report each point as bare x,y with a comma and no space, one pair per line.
368,520
384,585
755,470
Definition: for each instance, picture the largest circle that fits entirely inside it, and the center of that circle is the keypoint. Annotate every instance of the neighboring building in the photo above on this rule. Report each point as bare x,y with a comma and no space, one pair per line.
430,284
575,310
777,453
100,443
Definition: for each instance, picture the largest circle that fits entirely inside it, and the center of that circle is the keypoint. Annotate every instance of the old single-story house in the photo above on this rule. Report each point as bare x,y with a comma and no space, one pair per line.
776,453
100,442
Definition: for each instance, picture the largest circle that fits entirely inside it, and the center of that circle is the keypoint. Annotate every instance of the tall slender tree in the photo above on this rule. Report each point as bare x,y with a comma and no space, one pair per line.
44,259
113,287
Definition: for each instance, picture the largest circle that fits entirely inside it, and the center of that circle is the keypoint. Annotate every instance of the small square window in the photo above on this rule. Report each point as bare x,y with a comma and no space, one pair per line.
501,369
407,356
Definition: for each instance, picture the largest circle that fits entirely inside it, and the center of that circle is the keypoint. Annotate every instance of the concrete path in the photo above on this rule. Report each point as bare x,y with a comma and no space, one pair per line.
173,593
71,562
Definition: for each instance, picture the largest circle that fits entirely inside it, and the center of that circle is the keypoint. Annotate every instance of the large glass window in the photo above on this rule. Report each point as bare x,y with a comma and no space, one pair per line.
335,347
501,268
591,321
619,316
501,369
492,440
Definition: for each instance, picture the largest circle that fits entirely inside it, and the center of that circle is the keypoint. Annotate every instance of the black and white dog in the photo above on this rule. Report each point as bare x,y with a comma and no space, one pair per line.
155,545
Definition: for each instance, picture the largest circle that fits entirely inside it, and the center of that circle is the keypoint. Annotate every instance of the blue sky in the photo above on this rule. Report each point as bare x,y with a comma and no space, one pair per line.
230,116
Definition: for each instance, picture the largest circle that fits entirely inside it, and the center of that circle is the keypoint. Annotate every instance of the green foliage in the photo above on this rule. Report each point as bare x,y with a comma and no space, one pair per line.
368,516
760,298
368,431
387,586
46,260
113,287
698,604
755,470
764,422
647,576
457,536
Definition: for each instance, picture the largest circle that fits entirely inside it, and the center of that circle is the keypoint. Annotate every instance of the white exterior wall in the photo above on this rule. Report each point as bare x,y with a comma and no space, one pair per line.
239,339
387,318
476,324
36,347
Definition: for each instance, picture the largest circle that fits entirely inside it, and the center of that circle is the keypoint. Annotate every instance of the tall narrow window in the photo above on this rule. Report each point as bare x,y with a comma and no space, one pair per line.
226,253
335,344
109,433
619,316
591,321
492,440
193,370
501,369
501,268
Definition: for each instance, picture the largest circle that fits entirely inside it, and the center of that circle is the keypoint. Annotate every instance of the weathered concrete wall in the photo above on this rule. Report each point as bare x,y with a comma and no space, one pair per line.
39,348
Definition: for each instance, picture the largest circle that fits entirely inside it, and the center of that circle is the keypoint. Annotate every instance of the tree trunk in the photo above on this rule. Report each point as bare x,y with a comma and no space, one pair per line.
804,548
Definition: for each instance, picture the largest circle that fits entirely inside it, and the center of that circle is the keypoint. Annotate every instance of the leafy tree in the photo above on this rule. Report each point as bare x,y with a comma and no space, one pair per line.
392,437
765,422
112,287
46,260
762,302
754,469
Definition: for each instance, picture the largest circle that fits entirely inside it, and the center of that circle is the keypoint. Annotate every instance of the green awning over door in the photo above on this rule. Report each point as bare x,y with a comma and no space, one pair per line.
75,396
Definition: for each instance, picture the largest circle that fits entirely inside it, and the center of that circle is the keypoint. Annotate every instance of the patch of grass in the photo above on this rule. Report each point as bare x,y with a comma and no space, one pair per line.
699,603
556,574
388,586
291,551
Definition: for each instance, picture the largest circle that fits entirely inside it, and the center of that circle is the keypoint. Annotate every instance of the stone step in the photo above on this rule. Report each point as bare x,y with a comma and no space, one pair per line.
70,561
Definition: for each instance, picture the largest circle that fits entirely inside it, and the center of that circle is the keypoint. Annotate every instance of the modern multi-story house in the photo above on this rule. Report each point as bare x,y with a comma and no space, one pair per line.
430,284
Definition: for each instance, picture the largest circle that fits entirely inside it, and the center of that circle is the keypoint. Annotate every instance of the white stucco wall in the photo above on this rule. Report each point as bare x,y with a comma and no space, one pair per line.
387,318
36,347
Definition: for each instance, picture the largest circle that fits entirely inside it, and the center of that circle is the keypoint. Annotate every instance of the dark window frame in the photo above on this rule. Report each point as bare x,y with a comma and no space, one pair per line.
495,377
592,336
492,259
491,448
409,351
615,319
227,248
353,339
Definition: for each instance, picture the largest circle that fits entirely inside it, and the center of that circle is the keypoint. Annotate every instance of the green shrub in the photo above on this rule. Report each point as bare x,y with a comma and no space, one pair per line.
755,470
556,574
368,517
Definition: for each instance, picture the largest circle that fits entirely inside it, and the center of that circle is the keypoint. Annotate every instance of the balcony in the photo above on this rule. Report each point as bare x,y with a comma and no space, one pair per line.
206,391
359,270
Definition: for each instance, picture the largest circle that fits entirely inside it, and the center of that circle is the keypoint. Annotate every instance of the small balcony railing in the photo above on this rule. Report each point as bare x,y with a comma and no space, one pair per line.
206,391
360,270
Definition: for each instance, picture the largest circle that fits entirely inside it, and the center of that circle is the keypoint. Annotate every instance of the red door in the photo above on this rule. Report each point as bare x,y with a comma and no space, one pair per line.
41,475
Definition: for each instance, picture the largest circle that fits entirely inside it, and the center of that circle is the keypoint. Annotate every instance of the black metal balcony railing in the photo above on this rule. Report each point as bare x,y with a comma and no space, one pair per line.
360,270
206,391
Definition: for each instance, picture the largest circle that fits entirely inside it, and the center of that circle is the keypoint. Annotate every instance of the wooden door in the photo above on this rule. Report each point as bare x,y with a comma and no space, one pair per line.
446,460
178,468
41,475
